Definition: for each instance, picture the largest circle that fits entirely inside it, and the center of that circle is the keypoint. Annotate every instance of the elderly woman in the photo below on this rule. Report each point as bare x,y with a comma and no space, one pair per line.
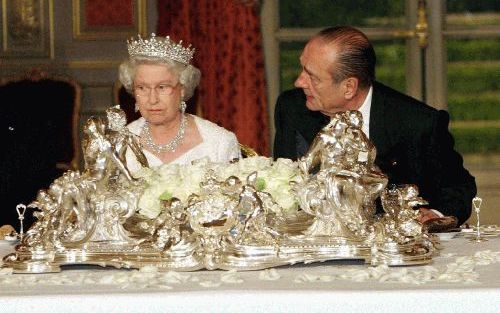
159,75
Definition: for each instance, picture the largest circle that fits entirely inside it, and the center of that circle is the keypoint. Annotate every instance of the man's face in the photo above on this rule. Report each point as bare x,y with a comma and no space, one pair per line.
322,93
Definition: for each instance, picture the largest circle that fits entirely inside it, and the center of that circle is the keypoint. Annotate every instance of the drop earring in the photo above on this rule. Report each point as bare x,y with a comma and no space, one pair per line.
136,108
183,106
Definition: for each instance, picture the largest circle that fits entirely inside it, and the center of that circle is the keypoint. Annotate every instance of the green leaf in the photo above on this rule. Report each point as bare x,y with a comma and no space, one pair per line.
260,184
166,196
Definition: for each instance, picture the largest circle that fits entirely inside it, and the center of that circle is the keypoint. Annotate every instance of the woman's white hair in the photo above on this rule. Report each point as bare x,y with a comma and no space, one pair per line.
189,76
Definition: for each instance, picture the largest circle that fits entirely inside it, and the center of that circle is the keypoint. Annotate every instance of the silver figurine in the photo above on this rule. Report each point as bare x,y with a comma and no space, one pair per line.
91,217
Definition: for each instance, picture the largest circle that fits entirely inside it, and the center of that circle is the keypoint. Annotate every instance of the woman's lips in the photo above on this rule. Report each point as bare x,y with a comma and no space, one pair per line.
155,111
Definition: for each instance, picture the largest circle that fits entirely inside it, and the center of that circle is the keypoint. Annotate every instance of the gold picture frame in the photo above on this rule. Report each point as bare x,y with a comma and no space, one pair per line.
27,29
84,31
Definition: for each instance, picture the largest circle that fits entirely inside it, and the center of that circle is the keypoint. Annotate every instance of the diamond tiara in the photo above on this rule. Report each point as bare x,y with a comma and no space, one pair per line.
160,48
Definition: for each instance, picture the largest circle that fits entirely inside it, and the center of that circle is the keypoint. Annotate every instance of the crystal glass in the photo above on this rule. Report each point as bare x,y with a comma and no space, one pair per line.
21,209
477,237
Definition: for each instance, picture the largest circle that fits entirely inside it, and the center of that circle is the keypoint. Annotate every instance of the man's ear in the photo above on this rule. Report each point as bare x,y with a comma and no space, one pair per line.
350,87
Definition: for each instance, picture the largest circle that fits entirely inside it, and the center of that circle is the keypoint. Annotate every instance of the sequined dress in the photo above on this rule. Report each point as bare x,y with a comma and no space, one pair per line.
218,144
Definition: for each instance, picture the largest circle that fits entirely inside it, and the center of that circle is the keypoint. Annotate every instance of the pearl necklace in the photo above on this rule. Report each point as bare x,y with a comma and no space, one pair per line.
169,146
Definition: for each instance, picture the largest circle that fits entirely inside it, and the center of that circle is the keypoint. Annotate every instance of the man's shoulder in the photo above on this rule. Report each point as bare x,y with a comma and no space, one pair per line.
403,114
293,94
293,99
293,102
401,103
291,107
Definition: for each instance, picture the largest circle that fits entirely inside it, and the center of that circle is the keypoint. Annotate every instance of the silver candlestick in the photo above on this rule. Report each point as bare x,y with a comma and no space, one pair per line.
478,237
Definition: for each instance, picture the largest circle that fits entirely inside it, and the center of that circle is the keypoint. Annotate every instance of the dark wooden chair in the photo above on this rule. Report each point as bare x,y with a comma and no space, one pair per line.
39,116
126,102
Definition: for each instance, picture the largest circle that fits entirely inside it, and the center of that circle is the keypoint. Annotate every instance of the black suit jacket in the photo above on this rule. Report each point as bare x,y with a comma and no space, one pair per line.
412,139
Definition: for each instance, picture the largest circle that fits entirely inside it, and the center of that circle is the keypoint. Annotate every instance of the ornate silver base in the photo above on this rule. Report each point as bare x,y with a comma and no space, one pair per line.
216,252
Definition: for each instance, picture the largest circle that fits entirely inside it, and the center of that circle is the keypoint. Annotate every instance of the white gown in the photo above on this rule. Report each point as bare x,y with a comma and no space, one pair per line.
218,144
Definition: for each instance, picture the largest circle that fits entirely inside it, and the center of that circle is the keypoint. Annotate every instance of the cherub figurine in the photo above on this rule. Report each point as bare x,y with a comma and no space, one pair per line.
341,181
92,205
400,222
121,138
327,149
172,226
105,146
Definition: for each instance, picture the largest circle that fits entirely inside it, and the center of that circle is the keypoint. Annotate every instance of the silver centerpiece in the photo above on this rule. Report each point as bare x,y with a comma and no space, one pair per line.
91,217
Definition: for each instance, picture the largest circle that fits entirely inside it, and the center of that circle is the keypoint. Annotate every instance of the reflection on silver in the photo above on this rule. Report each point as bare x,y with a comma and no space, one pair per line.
90,217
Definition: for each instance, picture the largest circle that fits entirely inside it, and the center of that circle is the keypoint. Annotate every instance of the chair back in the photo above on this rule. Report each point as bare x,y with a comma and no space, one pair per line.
126,102
39,115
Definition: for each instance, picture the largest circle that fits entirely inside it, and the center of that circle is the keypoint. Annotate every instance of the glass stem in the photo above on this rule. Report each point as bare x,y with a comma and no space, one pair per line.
478,233
21,230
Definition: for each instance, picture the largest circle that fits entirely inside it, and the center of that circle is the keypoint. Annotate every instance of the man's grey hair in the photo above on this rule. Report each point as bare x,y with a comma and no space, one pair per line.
355,54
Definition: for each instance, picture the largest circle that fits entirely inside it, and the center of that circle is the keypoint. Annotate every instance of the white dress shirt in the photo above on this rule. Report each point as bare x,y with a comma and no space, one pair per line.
365,112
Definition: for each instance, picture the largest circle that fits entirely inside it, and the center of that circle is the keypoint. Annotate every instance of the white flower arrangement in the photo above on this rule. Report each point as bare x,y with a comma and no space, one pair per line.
180,181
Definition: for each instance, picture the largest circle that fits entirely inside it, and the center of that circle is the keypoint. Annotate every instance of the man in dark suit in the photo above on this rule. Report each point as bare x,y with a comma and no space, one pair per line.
412,139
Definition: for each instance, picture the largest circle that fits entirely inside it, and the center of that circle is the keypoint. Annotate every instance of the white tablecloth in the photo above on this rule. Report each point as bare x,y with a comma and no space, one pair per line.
321,287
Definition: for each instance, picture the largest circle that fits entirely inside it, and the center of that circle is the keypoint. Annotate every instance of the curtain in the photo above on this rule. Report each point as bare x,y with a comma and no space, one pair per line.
228,42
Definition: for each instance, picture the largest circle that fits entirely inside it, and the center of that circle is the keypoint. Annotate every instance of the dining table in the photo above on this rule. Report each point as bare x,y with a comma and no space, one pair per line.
463,276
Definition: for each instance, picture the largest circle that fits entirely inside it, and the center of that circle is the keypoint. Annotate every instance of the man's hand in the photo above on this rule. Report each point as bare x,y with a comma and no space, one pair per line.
426,214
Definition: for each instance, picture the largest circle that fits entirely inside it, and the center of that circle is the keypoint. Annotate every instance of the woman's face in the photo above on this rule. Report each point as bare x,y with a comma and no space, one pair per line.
158,93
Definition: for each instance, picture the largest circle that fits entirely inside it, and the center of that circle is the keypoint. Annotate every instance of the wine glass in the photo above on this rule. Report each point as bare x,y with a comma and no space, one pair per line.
477,237
21,209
